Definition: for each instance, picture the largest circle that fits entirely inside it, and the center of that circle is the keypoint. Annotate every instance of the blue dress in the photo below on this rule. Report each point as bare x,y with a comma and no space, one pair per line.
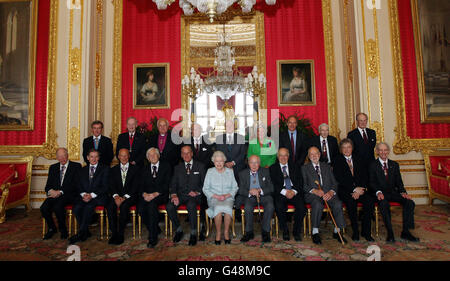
220,184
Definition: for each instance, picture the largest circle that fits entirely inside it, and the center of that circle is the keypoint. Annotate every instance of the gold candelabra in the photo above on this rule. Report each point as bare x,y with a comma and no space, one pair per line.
192,86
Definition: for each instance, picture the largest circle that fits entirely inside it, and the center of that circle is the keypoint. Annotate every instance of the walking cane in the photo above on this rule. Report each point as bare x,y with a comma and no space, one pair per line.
259,214
331,214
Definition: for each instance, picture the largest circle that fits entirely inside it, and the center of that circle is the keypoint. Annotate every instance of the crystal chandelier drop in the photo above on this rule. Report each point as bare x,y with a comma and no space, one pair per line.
212,8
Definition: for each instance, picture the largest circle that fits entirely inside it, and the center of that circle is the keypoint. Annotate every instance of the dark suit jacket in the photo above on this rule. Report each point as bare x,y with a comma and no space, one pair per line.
332,146
115,181
237,153
347,181
171,153
105,147
364,151
99,184
264,181
301,146
182,183
377,180
138,149
204,152
68,186
159,184
310,176
276,175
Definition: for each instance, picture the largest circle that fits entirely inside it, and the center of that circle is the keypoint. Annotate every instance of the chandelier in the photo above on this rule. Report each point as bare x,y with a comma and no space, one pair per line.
209,7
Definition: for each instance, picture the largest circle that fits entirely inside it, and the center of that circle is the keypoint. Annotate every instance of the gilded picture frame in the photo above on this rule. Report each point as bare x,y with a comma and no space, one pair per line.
17,73
151,85
428,24
296,84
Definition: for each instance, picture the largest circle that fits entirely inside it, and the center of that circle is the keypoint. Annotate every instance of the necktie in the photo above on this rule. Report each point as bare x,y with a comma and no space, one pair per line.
287,180
124,175
318,173
350,165
229,141
154,172
254,177
61,174
293,146
188,168
91,173
324,150
385,169
366,140
131,139
196,148
96,143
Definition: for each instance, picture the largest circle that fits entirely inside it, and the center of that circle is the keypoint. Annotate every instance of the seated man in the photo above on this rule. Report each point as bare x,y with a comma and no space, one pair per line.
60,191
386,182
153,191
186,189
352,177
254,185
92,188
122,195
288,190
320,172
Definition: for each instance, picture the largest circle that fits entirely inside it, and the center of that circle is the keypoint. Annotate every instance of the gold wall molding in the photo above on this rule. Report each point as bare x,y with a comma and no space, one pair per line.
48,148
117,71
40,167
99,60
73,145
410,162
412,170
350,93
372,62
75,66
402,142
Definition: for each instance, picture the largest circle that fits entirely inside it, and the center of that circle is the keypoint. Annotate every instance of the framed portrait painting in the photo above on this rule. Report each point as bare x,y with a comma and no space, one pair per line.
151,85
296,82
431,27
18,24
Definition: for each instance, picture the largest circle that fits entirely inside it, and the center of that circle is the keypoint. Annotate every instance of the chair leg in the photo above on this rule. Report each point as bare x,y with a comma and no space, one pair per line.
376,220
139,226
70,222
165,224
43,228
75,225
198,224
134,225
207,224
107,226
309,222
243,221
101,225
233,226
276,225
170,228
304,227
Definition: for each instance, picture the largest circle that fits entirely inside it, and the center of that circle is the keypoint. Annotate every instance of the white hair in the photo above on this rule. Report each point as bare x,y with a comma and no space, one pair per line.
323,124
218,153
154,149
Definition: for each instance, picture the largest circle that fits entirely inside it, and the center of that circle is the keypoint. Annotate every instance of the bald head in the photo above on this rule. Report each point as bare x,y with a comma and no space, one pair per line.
124,156
314,154
62,155
254,162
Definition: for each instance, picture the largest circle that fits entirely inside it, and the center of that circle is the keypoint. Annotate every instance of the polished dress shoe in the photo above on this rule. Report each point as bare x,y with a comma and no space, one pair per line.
49,234
112,240
408,236
227,241
316,239
193,240
64,234
336,236
390,238
152,243
266,237
201,237
369,238
286,236
178,236
120,239
355,236
217,242
298,237
74,239
247,236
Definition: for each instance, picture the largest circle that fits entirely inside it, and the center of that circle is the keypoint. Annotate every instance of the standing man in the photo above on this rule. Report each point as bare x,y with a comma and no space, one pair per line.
134,141
153,191
60,190
327,145
288,184
364,140
386,182
186,189
314,172
255,184
92,183
294,141
169,151
122,195
100,143
201,146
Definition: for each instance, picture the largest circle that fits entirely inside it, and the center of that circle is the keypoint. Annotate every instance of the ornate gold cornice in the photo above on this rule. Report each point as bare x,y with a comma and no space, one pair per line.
402,142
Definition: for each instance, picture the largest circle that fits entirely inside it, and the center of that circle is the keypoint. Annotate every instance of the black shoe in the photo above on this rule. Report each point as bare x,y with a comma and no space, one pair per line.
390,237
193,240
286,236
266,237
112,240
158,229
227,241
355,236
298,237
247,236
74,239
64,234
201,237
217,242
88,234
178,236
120,239
336,236
408,236
152,243
369,238
49,234
316,239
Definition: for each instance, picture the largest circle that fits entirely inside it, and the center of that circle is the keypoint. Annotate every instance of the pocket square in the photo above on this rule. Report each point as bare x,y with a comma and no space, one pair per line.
196,173
264,179
204,149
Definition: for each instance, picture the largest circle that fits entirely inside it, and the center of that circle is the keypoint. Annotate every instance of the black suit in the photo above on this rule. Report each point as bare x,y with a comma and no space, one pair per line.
281,201
181,185
105,147
361,149
235,151
333,148
391,187
58,204
137,150
98,185
171,152
116,186
301,146
149,184
347,183
204,151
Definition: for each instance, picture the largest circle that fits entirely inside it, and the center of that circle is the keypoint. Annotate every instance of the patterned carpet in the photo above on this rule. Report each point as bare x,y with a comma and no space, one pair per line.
20,239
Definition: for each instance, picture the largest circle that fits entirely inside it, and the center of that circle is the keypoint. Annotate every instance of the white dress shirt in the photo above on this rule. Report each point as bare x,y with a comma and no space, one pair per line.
283,191
361,132
382,165
93,195
328,148
123,167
